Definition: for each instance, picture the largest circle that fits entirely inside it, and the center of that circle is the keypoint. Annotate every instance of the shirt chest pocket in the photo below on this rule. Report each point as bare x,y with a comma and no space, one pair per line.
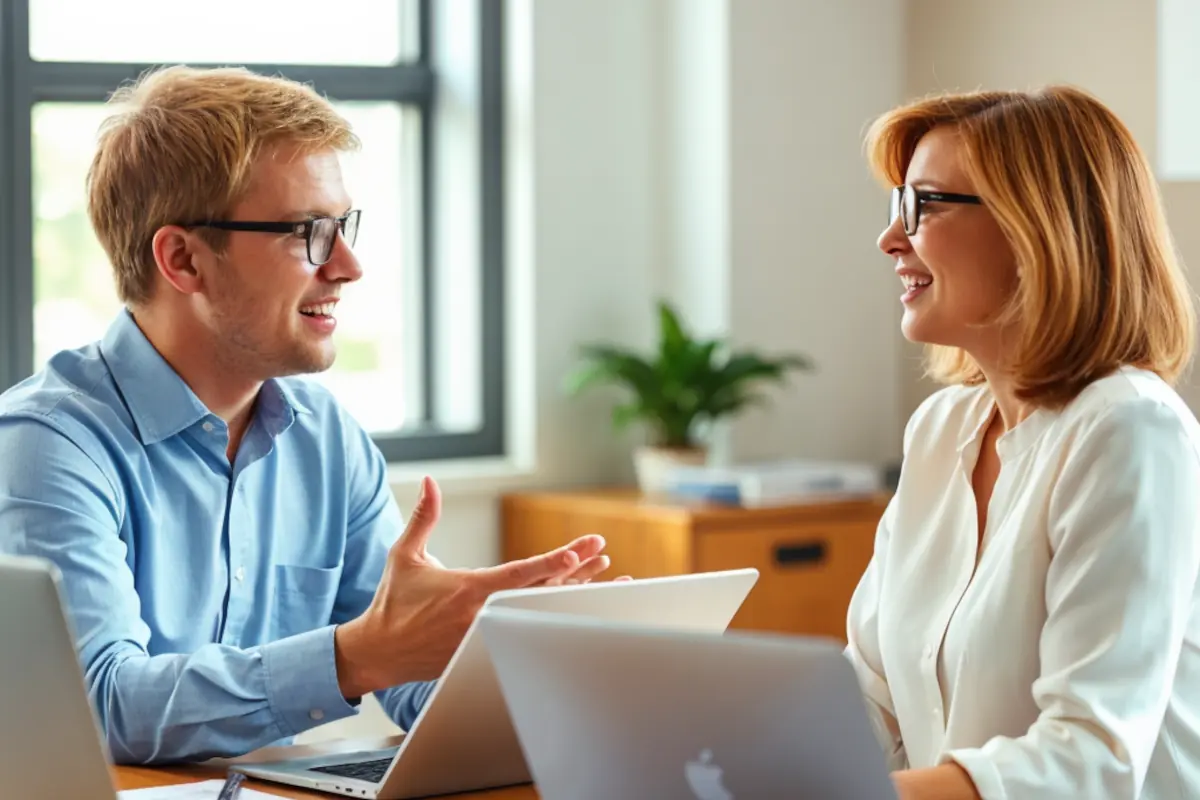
303,598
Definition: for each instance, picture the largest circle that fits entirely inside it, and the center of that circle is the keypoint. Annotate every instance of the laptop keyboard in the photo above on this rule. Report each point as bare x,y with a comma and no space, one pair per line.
369,771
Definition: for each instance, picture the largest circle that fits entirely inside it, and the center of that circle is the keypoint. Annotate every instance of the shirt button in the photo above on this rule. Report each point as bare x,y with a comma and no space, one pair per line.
316,714
240,575
208,427
929,651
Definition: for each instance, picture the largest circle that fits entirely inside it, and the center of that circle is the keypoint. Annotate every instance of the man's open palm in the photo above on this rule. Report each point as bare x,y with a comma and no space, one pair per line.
422,610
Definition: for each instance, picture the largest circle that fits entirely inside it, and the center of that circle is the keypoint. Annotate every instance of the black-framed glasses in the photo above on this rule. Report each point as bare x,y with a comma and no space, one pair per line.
907,203
319,232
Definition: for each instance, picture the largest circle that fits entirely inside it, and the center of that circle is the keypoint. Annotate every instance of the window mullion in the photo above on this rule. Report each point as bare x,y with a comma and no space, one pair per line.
491,195
17,182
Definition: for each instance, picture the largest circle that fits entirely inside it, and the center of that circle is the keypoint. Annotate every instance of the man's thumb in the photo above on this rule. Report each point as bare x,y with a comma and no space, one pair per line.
422,519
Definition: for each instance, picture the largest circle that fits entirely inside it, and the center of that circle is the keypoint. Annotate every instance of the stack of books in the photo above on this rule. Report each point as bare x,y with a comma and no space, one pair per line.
778,482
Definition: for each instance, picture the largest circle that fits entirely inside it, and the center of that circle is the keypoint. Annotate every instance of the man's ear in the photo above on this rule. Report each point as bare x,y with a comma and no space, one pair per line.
175,252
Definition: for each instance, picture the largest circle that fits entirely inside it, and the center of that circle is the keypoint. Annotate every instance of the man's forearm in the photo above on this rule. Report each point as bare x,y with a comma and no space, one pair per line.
217,701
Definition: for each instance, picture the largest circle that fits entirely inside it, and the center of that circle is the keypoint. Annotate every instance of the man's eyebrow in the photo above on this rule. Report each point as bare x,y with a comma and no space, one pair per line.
311,213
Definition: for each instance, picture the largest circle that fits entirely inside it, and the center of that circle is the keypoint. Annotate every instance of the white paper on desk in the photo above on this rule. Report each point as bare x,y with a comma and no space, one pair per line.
204,790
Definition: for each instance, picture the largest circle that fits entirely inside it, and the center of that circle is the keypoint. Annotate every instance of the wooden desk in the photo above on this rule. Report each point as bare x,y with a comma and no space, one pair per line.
145,777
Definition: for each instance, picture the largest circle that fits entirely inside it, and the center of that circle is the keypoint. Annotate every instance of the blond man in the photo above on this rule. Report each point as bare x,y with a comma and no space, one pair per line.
235,566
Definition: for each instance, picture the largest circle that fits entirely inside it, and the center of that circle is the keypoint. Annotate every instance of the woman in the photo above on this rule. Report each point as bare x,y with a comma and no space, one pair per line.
1027,627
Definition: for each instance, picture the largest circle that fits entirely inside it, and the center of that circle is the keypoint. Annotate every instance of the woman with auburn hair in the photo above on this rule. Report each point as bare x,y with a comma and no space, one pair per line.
1028,625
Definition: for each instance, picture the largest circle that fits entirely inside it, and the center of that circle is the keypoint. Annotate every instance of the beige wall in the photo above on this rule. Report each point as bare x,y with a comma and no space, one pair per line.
805,78
771,215
1108,47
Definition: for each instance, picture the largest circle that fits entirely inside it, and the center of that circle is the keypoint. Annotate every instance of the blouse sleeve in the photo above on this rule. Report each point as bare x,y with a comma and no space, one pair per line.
1119,593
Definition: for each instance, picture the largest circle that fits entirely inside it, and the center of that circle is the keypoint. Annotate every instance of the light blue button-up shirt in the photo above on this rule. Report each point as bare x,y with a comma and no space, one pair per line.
203,595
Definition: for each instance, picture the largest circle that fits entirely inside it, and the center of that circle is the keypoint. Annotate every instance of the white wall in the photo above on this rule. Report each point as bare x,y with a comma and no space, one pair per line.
770,213
1108,47
805,80
694,85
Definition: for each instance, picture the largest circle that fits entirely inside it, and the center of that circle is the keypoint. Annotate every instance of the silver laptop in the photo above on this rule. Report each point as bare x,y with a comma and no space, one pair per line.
50,744
463,739
607,710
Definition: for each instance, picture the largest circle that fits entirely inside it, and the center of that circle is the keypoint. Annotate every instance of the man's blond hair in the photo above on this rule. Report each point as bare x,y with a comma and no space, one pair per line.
180,146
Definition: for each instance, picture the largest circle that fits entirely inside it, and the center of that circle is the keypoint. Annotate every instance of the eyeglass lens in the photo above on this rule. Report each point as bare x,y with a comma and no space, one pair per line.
904,203
324,234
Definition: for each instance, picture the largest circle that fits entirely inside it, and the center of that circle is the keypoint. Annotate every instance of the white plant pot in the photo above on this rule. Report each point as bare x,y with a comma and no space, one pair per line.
653,465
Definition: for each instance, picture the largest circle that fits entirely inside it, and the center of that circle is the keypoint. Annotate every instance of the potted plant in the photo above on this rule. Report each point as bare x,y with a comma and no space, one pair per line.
679,391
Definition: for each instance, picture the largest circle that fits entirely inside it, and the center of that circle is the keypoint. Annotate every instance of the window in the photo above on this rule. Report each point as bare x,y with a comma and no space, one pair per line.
420,349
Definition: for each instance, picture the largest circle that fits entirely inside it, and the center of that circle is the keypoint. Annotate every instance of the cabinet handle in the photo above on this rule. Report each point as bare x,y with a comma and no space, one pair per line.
787,555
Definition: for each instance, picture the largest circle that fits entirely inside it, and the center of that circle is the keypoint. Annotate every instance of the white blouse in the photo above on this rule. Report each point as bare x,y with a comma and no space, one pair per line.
1063,659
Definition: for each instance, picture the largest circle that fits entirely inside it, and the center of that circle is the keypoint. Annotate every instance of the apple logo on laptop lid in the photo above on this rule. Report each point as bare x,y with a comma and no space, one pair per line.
704,778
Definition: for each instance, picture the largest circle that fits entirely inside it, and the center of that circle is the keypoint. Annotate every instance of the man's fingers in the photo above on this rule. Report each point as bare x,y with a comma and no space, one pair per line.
586,547
421,521
530,571
588,569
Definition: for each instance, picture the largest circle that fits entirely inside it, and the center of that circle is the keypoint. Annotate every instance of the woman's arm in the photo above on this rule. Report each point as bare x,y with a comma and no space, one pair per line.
944,782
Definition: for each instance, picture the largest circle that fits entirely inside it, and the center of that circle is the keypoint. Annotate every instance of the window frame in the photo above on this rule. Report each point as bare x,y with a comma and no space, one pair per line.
25,82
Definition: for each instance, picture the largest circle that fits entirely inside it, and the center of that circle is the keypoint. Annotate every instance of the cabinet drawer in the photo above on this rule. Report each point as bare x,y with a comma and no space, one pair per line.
638,546
807,573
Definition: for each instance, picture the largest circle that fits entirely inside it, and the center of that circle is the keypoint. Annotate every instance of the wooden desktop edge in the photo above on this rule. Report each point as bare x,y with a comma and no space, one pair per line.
146,777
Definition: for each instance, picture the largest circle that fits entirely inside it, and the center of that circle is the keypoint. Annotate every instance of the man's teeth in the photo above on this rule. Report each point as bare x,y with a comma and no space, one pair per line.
912,281
321,310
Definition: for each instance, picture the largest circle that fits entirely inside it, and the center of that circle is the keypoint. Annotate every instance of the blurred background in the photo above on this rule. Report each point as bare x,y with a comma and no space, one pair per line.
538,175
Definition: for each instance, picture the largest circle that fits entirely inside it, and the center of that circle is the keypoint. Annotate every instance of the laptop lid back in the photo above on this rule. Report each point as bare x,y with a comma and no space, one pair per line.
608,710
50,746
464,738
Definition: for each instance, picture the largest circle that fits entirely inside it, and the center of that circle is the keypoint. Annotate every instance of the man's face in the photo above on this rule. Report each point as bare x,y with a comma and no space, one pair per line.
270,309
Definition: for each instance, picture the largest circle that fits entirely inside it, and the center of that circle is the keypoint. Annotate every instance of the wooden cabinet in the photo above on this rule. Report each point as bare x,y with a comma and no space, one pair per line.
809,557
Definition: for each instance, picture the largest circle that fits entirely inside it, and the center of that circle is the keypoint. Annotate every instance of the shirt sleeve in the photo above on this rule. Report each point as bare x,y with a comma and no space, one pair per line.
375,524
1120,591
862,649
57,503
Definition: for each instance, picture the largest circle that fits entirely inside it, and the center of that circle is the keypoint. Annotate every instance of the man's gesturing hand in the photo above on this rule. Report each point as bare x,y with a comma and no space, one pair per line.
421,610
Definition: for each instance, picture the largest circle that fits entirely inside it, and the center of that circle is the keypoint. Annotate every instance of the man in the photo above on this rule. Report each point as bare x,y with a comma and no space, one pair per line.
232,556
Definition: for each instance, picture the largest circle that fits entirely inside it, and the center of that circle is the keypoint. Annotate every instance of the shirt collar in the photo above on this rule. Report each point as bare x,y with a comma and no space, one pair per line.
159,400
1011,442
287,393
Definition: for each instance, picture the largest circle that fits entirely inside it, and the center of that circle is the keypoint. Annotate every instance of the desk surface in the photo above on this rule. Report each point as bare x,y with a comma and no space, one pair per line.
144,777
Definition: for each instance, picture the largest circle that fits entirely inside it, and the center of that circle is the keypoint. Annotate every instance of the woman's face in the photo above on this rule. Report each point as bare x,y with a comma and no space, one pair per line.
957,268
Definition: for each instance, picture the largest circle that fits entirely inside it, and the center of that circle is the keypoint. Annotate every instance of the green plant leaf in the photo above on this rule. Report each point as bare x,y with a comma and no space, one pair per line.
734,399
624,414
605,364
684,383
673,339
